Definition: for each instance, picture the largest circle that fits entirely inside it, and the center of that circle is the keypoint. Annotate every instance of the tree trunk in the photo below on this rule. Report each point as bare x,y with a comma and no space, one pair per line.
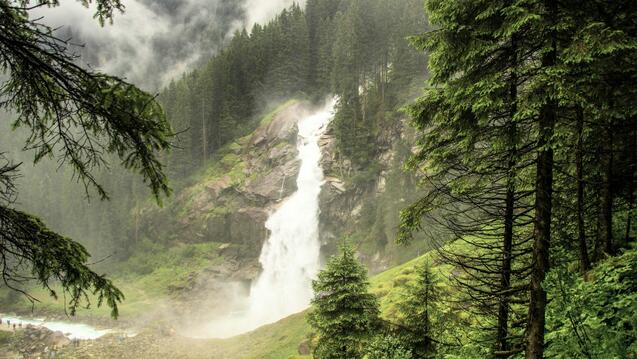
606,202
542,235
137,209
502,344
543,209
585,263
204,135
631,187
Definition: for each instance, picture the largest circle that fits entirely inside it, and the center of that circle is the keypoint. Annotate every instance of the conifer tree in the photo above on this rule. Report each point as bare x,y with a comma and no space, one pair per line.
344,313
421,313
80,117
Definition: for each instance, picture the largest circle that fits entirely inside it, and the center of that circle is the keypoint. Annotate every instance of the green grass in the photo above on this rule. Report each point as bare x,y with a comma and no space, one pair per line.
279,340
5,338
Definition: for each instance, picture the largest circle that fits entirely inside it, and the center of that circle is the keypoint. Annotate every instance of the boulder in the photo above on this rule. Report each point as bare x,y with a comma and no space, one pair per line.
59,340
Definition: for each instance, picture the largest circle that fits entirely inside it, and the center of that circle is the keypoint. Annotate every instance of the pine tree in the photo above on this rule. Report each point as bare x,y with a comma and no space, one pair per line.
421,313
344,313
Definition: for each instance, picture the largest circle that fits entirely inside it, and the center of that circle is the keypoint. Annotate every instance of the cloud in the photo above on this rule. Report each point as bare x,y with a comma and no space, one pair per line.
156,41
153,41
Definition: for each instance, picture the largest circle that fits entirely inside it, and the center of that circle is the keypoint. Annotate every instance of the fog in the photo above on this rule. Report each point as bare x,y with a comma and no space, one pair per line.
156,41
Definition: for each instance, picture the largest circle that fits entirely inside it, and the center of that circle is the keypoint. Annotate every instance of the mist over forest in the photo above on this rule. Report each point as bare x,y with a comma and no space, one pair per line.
154,42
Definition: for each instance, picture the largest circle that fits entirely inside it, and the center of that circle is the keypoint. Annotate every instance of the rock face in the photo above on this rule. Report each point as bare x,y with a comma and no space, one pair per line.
232,201
343,201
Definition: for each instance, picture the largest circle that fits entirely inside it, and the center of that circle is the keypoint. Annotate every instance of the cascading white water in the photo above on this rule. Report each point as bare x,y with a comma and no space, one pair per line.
290,256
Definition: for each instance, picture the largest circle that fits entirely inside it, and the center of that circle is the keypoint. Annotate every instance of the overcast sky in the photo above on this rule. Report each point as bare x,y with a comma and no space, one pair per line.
155,41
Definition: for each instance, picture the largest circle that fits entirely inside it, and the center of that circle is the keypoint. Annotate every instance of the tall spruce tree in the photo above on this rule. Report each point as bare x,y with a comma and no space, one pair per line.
474,152
344,314
420,310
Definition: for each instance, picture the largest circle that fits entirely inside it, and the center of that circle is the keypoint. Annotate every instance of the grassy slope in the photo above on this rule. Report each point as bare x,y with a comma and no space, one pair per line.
279,340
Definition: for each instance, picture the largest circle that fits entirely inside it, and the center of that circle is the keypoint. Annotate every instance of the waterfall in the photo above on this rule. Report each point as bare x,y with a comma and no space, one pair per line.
290,256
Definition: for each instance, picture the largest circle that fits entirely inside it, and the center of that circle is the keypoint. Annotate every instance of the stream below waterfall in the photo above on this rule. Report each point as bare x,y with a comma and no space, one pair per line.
70,330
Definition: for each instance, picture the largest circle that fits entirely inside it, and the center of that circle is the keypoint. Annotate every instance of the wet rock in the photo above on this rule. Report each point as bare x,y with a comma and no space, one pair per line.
279,183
